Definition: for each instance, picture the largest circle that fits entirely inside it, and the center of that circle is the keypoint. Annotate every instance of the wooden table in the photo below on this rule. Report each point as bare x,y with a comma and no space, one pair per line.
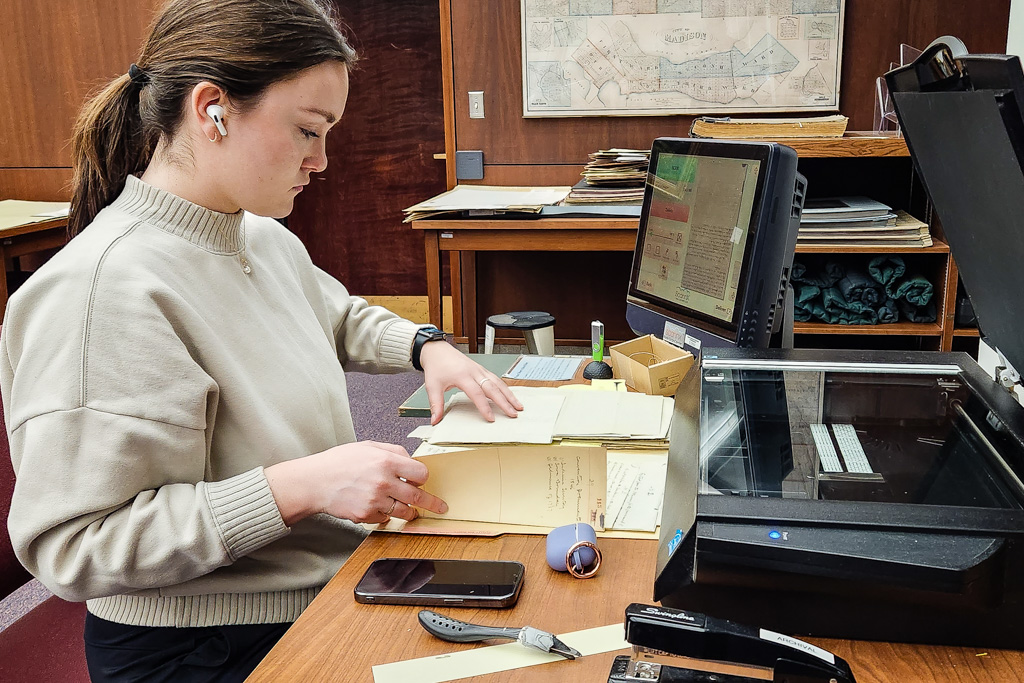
338,639
28,238
464,237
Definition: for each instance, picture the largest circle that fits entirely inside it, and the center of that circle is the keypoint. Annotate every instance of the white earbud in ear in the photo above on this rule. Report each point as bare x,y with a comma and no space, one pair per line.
216,112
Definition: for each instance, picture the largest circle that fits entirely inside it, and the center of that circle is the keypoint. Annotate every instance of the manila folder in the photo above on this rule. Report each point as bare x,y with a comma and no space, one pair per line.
535,485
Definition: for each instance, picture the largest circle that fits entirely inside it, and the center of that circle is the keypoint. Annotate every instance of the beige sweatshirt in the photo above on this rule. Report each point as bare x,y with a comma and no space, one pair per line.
150,371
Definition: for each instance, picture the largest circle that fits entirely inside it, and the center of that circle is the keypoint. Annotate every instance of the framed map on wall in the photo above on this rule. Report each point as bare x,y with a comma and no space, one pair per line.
658,57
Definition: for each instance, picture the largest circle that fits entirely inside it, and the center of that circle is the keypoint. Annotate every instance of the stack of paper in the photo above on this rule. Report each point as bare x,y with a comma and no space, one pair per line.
490,480
484,200
551,414
859,221
545,486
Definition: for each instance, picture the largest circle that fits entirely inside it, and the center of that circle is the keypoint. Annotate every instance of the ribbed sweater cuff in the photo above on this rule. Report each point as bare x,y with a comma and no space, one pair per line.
272,607
396,344
245,511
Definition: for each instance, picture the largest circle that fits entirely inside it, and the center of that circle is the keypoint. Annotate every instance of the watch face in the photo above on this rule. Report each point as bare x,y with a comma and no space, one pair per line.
432,334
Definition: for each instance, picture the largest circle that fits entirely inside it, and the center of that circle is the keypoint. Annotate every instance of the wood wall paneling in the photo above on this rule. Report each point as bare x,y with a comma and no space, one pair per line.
36,184
54,55
381,153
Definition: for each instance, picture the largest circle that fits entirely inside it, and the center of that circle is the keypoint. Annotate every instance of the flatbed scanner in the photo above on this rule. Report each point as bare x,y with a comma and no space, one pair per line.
867,495
875,494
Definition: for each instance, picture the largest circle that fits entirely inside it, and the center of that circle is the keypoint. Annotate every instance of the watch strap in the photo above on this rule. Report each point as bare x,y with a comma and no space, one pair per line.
423,336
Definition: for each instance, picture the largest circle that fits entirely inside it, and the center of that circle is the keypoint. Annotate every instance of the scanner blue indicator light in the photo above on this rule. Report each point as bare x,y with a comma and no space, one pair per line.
774,534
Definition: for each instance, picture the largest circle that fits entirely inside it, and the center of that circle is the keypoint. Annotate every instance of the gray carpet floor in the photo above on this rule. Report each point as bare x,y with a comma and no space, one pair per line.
374,400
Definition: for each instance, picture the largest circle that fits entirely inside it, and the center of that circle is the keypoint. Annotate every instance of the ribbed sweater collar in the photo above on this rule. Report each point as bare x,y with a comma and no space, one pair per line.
220,233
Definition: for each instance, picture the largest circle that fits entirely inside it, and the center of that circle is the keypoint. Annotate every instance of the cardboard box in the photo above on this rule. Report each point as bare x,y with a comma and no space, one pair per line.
650,365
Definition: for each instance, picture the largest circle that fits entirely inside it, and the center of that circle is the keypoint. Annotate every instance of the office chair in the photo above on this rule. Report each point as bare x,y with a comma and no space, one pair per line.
46,644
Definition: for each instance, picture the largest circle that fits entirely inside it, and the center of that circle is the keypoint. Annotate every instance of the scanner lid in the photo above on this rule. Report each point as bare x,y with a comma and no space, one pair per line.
963,119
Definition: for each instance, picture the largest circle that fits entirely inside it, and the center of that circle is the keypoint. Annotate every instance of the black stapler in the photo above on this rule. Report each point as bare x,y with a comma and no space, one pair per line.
671,646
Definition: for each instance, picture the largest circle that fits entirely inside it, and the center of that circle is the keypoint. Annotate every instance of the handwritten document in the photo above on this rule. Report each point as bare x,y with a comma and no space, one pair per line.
636,488
535,485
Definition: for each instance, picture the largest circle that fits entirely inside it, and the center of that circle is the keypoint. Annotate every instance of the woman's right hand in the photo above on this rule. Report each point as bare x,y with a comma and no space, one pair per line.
365,481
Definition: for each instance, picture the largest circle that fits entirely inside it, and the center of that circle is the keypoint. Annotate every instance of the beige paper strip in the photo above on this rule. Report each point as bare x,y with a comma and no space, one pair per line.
494,658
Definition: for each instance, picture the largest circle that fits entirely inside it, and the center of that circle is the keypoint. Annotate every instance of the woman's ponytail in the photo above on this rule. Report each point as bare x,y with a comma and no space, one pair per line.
107,146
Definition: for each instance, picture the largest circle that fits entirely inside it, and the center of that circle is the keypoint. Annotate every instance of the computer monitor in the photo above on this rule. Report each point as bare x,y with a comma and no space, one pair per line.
715,245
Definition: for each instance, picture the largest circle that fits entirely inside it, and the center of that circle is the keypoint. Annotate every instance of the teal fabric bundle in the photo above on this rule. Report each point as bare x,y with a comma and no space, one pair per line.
885,269
825,276
857,286
889,312
805,300
918,314
839,309
915,289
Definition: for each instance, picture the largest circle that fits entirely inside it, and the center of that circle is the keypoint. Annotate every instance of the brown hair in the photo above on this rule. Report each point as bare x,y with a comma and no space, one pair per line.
243,46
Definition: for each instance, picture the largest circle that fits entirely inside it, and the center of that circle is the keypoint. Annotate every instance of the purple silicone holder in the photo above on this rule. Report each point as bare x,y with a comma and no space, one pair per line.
565,537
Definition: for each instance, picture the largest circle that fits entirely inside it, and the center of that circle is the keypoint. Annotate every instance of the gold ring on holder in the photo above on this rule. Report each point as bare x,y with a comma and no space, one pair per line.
582,573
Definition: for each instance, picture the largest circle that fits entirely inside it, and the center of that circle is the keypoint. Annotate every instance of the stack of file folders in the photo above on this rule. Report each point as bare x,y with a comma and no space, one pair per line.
570,455
859,221
612,176
614,419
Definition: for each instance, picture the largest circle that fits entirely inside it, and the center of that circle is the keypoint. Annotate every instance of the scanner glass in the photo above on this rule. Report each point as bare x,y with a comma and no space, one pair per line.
818,434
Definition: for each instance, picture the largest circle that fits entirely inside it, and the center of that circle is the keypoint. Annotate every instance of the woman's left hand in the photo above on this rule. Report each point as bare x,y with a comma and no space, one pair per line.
445,367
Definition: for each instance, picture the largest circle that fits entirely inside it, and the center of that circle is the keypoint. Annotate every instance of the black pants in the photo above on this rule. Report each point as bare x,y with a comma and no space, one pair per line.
116,652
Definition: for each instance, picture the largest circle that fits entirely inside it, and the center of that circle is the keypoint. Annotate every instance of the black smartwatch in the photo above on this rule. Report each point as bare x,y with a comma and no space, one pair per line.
424,335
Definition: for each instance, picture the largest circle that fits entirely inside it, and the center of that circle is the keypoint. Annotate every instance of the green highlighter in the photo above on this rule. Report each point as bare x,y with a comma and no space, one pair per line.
597,368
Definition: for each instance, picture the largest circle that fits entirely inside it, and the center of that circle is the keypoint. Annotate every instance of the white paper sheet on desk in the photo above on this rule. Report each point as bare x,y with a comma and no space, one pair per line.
480,661
636,488
468,197
14,212
611,414
545,368
539,485
462,422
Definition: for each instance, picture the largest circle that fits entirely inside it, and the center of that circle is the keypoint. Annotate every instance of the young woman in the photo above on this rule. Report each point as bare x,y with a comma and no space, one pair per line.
173,379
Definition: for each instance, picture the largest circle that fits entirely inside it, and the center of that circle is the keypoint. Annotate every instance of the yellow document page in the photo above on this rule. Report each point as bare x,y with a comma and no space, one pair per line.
535,485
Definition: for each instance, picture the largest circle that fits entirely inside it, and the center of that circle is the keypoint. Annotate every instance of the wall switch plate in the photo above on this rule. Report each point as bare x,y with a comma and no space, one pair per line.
469,165
476,104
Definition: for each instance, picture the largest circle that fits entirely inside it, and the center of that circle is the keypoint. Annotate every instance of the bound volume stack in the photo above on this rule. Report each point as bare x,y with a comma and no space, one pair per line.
612,176
807,127
859,222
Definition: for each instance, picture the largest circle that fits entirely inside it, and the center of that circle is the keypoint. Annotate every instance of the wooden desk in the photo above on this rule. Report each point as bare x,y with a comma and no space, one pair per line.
464,237
338,639
27,239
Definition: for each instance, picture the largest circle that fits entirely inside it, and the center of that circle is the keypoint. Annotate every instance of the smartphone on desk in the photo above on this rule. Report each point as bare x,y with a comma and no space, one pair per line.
451,583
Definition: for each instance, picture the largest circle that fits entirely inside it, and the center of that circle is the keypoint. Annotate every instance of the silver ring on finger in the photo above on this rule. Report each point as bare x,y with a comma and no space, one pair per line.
481,381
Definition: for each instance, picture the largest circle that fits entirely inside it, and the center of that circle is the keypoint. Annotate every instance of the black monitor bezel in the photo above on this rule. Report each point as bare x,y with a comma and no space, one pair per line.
759,151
